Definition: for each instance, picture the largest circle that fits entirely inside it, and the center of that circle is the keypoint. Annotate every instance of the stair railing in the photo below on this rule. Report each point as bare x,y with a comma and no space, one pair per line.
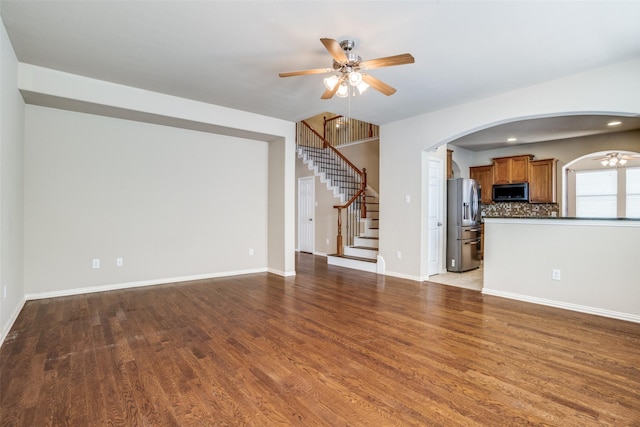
340,130
351,180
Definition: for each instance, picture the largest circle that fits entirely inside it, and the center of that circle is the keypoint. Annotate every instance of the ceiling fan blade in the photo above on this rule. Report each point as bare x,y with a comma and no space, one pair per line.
335,50
388,61
378,85
328,94
305,72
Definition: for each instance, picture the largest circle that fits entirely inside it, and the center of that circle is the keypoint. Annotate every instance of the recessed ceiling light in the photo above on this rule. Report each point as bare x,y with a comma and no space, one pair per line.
512,139
616,123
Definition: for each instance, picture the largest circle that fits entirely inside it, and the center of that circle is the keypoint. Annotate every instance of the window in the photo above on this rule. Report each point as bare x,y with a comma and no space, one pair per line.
633,193
597,194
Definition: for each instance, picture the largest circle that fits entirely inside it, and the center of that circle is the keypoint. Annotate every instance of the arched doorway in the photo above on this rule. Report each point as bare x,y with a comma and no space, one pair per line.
602,184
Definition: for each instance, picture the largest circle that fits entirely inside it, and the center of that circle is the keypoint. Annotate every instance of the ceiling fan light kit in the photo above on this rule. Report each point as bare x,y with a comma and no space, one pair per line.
348,65
616,159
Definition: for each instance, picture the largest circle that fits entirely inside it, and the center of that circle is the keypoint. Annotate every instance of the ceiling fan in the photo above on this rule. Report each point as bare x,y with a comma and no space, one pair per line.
616,159
350,69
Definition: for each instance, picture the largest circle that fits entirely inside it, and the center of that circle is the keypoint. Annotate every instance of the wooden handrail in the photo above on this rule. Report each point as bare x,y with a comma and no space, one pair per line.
324,127
359,194
327,144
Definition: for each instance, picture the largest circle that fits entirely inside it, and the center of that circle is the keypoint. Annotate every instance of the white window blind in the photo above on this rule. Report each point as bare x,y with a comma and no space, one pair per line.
633,193
597,194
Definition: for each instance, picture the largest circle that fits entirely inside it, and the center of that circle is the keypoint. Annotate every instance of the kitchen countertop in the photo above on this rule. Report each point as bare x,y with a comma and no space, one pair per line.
560,218
558,221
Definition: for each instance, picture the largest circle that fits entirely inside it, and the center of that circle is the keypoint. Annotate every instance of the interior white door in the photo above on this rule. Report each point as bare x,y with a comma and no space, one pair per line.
306,211
435,214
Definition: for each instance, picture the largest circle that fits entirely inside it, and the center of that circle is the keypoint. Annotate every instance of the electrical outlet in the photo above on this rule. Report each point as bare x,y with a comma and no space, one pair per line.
119,262
398,254
407,198
96,263
251,251
555,274
327,241
453,263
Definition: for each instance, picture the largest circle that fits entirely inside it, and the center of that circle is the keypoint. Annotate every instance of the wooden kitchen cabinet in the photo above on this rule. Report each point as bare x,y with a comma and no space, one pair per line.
542,181
484,176
449,164
511,170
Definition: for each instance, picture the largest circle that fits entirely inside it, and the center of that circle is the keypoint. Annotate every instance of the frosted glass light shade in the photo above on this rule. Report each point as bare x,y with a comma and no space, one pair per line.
330,82
362,86
343,91
355,78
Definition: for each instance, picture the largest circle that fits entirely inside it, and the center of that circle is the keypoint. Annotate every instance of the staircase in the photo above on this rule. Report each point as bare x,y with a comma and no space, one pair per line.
361,240
362,252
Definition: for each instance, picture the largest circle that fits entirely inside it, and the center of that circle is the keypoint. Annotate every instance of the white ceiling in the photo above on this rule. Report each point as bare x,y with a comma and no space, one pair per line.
229,53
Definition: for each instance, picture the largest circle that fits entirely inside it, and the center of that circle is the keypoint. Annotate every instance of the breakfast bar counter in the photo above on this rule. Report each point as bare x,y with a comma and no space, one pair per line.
590,265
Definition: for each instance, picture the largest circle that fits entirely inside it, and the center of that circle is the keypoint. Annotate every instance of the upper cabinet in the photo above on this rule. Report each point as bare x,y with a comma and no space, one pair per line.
540,174
511,170
542,181
484,176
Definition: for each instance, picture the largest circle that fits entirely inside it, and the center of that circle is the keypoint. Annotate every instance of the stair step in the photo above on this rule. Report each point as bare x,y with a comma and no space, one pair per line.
361,252
355,258
371,232
366,242
356,263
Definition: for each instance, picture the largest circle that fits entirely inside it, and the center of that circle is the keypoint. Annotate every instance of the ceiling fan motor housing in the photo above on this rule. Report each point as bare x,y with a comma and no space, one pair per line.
347,45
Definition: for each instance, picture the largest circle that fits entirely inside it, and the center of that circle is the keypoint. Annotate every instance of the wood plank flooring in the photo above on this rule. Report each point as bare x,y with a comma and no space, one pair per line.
330,347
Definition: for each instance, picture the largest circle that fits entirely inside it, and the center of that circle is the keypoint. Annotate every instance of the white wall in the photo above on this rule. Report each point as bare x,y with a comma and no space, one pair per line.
597,262
365,155
11,192
173,203
281,206
51,88
611,89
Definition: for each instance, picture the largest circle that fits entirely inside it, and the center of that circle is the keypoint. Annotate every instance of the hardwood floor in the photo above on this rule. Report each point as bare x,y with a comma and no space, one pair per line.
330,347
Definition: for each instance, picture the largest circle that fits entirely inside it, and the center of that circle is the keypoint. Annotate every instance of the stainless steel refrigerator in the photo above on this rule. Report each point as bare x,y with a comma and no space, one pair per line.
463,225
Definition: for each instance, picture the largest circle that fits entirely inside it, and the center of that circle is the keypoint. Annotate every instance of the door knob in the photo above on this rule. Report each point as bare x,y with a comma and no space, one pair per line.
439,224
310,219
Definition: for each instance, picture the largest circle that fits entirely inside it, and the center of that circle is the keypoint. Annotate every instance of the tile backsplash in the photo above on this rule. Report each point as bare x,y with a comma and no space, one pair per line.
520,209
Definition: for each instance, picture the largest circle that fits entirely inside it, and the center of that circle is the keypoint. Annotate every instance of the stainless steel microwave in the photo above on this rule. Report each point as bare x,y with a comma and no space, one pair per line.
511,192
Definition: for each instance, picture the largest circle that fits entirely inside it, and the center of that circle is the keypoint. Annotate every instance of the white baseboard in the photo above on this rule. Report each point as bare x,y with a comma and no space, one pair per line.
565,305
117,286
282,273
12,320
403,276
